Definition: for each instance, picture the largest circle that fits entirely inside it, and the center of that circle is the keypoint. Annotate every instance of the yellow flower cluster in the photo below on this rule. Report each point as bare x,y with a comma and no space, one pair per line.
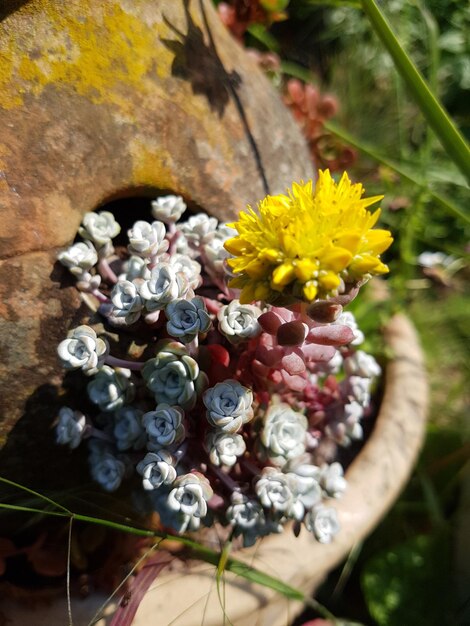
306,245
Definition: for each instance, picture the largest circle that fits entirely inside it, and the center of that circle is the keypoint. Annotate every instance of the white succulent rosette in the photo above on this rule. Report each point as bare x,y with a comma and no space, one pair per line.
430,260
362,364
345,426
147,240
278,492
107,470
111,388
187,319
307,480
127,303
332,479
128,430
214,252
247,518
79,258
189,496
357,389
346,318
353,413
323,522
244,513
135,267
70,427
180,245
239,322
197,228
284,433
99,227
173,376
168,209
229,405
83,349
157,469
164,426
337,431
189,267
224,448
164,285
88,282
168,518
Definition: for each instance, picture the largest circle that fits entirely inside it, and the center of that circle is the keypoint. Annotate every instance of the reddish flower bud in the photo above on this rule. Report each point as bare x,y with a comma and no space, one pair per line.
270,322
291,333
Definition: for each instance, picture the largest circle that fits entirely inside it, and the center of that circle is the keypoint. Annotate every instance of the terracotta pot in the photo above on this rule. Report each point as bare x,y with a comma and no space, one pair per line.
99,101
188,596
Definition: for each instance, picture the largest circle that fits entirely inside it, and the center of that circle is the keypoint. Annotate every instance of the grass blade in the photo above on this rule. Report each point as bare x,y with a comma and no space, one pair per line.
30,509
437,118
220,559
197,550
69,553
403,171
34,493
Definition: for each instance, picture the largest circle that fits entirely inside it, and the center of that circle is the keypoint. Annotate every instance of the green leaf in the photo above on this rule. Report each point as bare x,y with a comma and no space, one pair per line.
403,170
297,71
261,34
355,4
410,583
451,139
6,481
273,6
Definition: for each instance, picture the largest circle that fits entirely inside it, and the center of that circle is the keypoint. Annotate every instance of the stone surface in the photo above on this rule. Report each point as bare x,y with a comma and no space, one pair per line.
101,101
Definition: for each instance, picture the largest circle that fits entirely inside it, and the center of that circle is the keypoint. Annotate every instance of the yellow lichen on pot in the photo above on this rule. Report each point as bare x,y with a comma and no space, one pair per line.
74,54
101,101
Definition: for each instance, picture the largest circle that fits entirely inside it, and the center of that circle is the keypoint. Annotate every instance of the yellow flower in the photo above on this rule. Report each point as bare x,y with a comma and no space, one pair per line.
308,244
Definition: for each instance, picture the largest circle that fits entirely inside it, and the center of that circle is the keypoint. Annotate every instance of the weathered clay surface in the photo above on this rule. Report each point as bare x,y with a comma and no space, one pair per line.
100,100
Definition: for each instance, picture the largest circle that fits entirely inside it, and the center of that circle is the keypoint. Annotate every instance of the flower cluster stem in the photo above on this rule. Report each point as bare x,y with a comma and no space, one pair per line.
130,365
99,434
106,272
99,295
250,466
225,479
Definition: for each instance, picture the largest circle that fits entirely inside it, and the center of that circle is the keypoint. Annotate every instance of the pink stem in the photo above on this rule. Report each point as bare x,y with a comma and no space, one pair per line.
153,260
174,236
130,365
106,272
251,467
179,454
225,479
216,502
152,318
99,434
212,306
99,295
193,346
218,282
